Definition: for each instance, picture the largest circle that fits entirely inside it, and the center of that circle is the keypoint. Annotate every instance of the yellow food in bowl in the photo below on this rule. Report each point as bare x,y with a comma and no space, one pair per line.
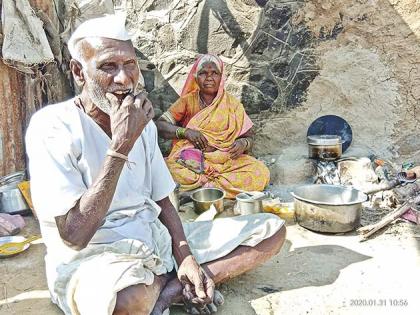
284,210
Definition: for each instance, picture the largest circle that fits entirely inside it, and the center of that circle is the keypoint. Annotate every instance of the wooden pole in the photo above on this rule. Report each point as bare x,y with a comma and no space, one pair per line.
12,98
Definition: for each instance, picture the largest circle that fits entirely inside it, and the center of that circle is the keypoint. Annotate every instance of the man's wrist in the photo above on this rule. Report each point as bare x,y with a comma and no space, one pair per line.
115,154
120,156
181,251
122,148
187,259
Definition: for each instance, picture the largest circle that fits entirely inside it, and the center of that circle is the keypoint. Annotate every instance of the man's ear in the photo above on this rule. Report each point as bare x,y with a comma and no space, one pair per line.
77,71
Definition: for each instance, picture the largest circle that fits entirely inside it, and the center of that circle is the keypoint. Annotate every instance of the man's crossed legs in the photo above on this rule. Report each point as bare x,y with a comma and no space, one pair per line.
167,289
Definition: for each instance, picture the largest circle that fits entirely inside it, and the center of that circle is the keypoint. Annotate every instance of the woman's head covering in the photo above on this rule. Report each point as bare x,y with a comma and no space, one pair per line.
191,84
205,59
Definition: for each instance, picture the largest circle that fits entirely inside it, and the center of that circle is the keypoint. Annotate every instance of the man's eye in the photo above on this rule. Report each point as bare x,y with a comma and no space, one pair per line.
130,64
107,67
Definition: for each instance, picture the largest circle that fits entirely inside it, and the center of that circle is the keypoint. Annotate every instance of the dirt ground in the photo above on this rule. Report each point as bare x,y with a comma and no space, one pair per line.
313,274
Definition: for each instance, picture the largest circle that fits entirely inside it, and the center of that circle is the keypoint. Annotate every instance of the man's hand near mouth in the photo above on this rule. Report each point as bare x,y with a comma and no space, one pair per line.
121,94
128,119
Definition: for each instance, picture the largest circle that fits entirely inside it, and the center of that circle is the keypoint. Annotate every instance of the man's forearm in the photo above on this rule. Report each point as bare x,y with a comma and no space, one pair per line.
170,218
79,225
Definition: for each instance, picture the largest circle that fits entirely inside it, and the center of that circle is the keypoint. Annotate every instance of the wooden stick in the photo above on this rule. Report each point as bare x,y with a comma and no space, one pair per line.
368,230
393,214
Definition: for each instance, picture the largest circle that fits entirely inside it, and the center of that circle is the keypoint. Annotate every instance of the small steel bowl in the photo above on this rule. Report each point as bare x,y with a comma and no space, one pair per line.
205,197
246,205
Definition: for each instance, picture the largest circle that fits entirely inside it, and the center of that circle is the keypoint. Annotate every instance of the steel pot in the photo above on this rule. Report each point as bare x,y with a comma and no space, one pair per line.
325,147
12,179
11,199
205,197
328,208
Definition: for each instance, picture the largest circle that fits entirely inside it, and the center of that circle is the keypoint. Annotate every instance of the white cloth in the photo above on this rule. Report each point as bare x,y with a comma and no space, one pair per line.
82,287
24,42
90,282
108,26
66,150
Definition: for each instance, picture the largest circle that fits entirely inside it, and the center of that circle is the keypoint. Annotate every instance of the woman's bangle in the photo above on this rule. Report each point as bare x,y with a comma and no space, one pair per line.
180,132
248,144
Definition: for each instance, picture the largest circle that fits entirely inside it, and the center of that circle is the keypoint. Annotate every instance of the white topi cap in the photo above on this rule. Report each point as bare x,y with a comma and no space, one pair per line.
108,26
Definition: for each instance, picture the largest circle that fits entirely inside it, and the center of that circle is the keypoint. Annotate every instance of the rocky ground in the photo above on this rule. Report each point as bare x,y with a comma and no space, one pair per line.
313,274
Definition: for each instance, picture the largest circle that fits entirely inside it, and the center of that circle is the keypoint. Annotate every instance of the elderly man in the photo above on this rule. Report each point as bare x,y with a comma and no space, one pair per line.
100,189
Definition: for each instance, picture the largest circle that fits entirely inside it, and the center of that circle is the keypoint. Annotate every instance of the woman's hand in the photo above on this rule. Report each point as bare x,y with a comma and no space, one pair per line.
209,148
239,147
196,138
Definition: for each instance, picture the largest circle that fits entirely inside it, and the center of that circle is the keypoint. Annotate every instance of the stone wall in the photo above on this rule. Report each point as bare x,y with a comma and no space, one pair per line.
369,74
269,57
293,61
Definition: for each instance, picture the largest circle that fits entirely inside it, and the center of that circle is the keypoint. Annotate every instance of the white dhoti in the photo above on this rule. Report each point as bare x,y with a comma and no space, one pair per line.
90,282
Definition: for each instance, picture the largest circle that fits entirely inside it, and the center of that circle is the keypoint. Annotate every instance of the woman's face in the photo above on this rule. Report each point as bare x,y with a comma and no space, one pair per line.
208,79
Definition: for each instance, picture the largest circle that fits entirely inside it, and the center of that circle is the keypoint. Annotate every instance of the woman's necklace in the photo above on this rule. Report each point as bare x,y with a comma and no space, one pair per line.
202,102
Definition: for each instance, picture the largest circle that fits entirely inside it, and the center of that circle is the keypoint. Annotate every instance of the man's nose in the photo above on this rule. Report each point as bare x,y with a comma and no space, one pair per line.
121,77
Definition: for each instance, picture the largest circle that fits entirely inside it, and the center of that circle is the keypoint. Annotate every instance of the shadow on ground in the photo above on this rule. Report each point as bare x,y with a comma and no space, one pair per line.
302,267
289,270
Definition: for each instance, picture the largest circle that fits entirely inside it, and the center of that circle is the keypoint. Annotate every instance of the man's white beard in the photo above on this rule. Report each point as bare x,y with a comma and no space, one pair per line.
97,96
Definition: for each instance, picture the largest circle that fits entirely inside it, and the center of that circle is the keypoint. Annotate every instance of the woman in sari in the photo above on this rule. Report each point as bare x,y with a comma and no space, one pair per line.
212,134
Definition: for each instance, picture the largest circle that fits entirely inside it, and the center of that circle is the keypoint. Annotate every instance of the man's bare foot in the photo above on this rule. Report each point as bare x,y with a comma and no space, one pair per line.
172,294
218,300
